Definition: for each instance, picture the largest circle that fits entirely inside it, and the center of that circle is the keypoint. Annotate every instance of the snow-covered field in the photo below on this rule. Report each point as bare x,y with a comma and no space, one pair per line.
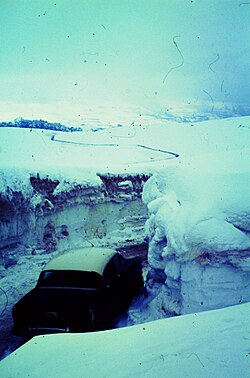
197,177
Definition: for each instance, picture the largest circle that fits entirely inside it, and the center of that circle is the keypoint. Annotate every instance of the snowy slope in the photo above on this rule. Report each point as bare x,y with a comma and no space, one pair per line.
209,344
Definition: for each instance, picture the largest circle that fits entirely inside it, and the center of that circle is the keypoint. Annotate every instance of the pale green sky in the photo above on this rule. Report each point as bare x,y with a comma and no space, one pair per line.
122,49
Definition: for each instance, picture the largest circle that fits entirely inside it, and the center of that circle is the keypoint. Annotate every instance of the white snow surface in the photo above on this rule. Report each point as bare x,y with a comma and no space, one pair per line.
208,344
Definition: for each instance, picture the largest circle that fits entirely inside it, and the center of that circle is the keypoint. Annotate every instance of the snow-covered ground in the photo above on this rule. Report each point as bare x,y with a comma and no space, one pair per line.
64,189
208,344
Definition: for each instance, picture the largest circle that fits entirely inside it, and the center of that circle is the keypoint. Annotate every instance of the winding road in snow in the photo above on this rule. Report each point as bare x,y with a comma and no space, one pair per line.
122,146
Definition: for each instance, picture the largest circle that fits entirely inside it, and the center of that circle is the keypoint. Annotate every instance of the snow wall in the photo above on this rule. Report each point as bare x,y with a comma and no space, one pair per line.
52,214
199,234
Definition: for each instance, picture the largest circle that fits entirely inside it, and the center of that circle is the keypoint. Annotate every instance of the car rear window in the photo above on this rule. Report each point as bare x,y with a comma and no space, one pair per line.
66,278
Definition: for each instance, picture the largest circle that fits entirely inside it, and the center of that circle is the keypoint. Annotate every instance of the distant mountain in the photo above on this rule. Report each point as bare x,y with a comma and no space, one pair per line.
202,111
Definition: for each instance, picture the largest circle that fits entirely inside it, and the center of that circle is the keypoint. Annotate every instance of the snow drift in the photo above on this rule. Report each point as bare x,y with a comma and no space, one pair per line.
207,344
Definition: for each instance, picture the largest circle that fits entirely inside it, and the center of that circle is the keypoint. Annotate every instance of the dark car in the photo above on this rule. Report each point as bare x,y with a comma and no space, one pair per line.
79,290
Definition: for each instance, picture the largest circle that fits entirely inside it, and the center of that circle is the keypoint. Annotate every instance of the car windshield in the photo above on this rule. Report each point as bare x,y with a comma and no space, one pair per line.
70,278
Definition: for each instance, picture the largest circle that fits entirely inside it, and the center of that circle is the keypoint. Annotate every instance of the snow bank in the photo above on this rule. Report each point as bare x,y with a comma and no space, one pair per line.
199,227
202,205
208,344
58,211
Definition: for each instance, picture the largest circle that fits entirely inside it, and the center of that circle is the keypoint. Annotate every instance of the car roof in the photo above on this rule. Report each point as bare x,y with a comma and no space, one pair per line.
82,259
